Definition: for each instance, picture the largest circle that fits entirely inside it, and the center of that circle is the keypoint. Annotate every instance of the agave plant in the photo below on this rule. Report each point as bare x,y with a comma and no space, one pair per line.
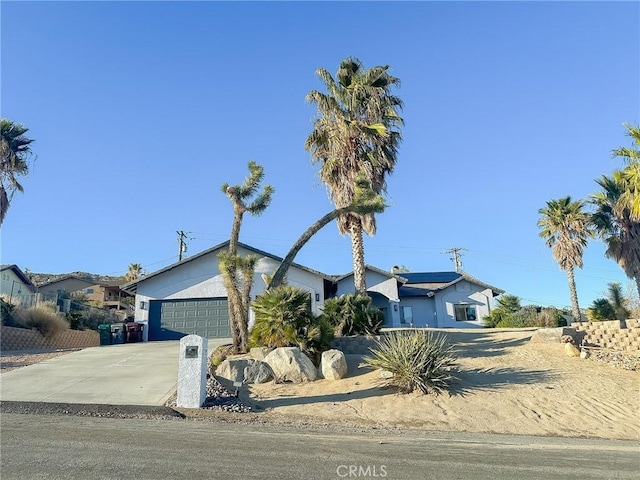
417,360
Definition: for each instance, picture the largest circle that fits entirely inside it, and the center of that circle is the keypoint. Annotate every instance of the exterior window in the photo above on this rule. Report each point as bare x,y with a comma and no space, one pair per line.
89,290
144,305
465,313
407,315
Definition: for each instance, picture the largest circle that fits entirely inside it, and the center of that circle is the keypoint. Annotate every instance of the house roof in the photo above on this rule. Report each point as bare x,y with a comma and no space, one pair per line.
68,277
428,283
19,273
131,287
401,279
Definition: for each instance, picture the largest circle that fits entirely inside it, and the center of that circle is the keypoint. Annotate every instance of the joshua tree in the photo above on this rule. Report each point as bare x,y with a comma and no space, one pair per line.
565,227
357,132
238,271
15,151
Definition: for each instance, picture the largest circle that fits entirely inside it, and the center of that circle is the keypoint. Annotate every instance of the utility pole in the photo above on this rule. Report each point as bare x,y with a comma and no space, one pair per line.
182,244
457,255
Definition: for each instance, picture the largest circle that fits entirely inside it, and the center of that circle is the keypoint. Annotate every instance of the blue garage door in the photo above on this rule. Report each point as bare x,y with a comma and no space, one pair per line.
173,319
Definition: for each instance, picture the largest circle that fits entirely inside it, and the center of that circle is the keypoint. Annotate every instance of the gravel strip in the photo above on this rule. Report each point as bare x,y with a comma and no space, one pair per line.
615,359
218,398
16,359
109,411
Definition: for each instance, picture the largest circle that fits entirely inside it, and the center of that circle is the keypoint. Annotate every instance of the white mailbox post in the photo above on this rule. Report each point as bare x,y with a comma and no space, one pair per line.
192,372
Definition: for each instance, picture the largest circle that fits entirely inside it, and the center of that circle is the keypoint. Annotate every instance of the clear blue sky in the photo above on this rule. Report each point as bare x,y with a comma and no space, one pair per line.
141,111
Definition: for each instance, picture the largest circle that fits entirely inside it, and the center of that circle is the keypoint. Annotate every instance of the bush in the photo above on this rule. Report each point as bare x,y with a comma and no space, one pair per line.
550,317
352,314
496,317
417,360
283,318
75,320
6,310
40,318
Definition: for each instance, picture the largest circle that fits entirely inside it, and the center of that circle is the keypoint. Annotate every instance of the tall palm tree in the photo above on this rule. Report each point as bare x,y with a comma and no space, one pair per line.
15,150
133,273
357,132
615,224
566,228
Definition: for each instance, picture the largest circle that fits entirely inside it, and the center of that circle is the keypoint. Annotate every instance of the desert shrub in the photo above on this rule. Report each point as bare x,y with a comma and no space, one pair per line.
352,314
550,317
417,359
6,310
496,317
75,320
283,318
219,355
42,319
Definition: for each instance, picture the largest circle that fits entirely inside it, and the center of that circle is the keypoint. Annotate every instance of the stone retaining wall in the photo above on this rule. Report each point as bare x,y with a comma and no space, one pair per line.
12,338
611,335
356,345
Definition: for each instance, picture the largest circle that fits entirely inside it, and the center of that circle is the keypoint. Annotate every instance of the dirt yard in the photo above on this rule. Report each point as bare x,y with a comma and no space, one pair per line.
507,384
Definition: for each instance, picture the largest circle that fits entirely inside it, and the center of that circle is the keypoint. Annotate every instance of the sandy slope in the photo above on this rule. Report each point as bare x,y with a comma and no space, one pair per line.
506,385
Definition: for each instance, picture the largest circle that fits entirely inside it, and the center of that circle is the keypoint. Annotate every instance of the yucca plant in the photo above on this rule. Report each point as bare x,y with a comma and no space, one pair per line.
417,360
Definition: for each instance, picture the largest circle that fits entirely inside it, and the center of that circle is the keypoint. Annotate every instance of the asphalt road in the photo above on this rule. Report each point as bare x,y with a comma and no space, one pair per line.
72,447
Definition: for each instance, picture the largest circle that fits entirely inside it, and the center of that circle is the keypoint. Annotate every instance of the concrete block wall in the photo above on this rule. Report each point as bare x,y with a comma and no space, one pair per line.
12,338
356,345
612,335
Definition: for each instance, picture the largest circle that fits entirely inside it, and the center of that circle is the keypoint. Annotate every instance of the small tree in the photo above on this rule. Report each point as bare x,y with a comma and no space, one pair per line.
237,271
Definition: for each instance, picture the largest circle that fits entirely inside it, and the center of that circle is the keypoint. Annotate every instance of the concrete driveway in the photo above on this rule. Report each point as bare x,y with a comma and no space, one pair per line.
127,374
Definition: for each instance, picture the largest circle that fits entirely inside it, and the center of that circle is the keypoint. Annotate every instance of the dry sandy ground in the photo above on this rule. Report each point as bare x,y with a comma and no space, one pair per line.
507,384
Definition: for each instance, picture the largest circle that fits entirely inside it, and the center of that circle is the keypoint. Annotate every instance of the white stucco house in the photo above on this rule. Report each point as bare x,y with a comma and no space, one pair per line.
15,286
426,299
189,297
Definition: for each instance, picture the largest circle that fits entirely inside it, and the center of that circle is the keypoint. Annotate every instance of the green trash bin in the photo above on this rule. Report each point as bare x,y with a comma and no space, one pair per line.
105,334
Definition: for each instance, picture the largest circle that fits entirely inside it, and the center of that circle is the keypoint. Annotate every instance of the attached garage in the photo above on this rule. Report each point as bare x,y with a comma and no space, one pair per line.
173,319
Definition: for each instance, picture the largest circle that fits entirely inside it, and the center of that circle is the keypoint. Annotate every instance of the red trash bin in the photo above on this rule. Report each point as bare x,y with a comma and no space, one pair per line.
134,332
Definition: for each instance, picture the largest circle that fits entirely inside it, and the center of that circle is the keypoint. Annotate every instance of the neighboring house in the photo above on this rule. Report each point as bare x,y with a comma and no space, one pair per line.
426,299
103,294
15,286
65,285
189,297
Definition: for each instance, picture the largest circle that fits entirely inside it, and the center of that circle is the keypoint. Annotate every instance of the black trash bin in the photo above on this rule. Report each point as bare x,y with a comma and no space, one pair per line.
117,333
105,334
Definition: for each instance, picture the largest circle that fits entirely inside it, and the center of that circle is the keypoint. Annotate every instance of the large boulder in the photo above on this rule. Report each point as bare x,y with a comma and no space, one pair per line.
334,365
552,334
260,352
289,364
246,370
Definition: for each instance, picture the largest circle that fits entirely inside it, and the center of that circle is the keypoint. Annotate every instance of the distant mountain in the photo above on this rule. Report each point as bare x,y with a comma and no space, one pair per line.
40,278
